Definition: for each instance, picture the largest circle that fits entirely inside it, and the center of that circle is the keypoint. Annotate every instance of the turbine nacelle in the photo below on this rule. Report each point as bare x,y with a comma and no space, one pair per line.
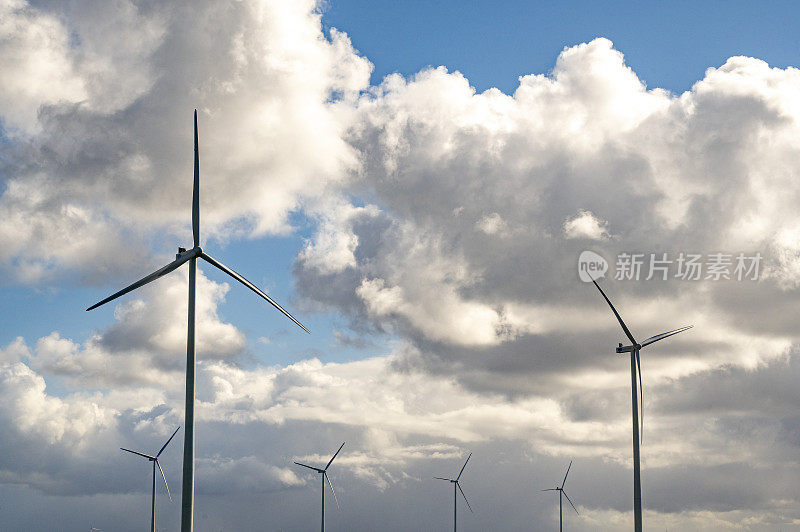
184,253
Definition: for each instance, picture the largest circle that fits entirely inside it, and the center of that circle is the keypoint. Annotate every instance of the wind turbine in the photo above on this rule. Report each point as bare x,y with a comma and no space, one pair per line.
156,463
324,473
636,365
456,489
191,256
564,493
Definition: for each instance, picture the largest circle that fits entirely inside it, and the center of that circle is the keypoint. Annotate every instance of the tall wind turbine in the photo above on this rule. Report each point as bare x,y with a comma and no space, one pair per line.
324,477
156,463
191,256
456,489
636,365
564,493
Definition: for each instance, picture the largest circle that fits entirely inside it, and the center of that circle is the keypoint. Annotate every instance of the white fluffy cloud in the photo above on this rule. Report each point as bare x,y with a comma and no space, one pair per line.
99,125
586,225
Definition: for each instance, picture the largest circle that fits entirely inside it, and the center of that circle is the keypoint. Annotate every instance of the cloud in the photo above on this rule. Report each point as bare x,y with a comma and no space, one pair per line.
37,65
98,162
590,138
491,224
586,225
146,345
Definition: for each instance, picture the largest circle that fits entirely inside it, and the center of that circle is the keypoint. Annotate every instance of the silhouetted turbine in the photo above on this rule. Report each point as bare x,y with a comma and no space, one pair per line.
191,256
157,464
456,489
324,473
561,492
636,365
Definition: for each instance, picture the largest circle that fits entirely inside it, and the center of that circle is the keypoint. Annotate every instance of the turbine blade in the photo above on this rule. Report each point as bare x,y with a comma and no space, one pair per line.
332,490
196,189
661,336
458,485
165,479
310,467
565,476
140,454
552,489
334,456
462,467
641,397
619,318
169,440
442,478
143,281
252,287
570,502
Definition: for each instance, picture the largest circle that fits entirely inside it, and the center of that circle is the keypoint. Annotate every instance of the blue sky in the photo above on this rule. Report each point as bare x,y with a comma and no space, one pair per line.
443,226
668,44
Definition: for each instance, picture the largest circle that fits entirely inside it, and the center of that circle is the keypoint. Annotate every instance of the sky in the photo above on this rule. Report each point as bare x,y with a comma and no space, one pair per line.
417,183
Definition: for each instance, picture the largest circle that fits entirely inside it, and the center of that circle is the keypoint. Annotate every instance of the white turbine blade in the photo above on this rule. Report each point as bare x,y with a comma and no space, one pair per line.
165,479
310,467
570,502
196,189
152,277
661,336
641,397
169,440
252,287
332,490
565,476
619,318
458,485
462,467
334,456
140,454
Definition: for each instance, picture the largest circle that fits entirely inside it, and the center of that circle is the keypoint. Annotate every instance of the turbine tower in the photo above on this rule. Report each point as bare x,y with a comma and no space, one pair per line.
156,463
564,493
324,477
456,489
636,405
191,256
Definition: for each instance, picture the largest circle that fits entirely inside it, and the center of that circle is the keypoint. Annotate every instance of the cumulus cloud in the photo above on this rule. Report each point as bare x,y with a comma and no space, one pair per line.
37,64
589,138
586,225
104,130
146,345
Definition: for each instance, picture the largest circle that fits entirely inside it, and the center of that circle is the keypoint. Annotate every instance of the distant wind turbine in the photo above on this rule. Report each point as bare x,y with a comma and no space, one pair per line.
564,493
324,473
456,489
191,256
157,464
636,365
